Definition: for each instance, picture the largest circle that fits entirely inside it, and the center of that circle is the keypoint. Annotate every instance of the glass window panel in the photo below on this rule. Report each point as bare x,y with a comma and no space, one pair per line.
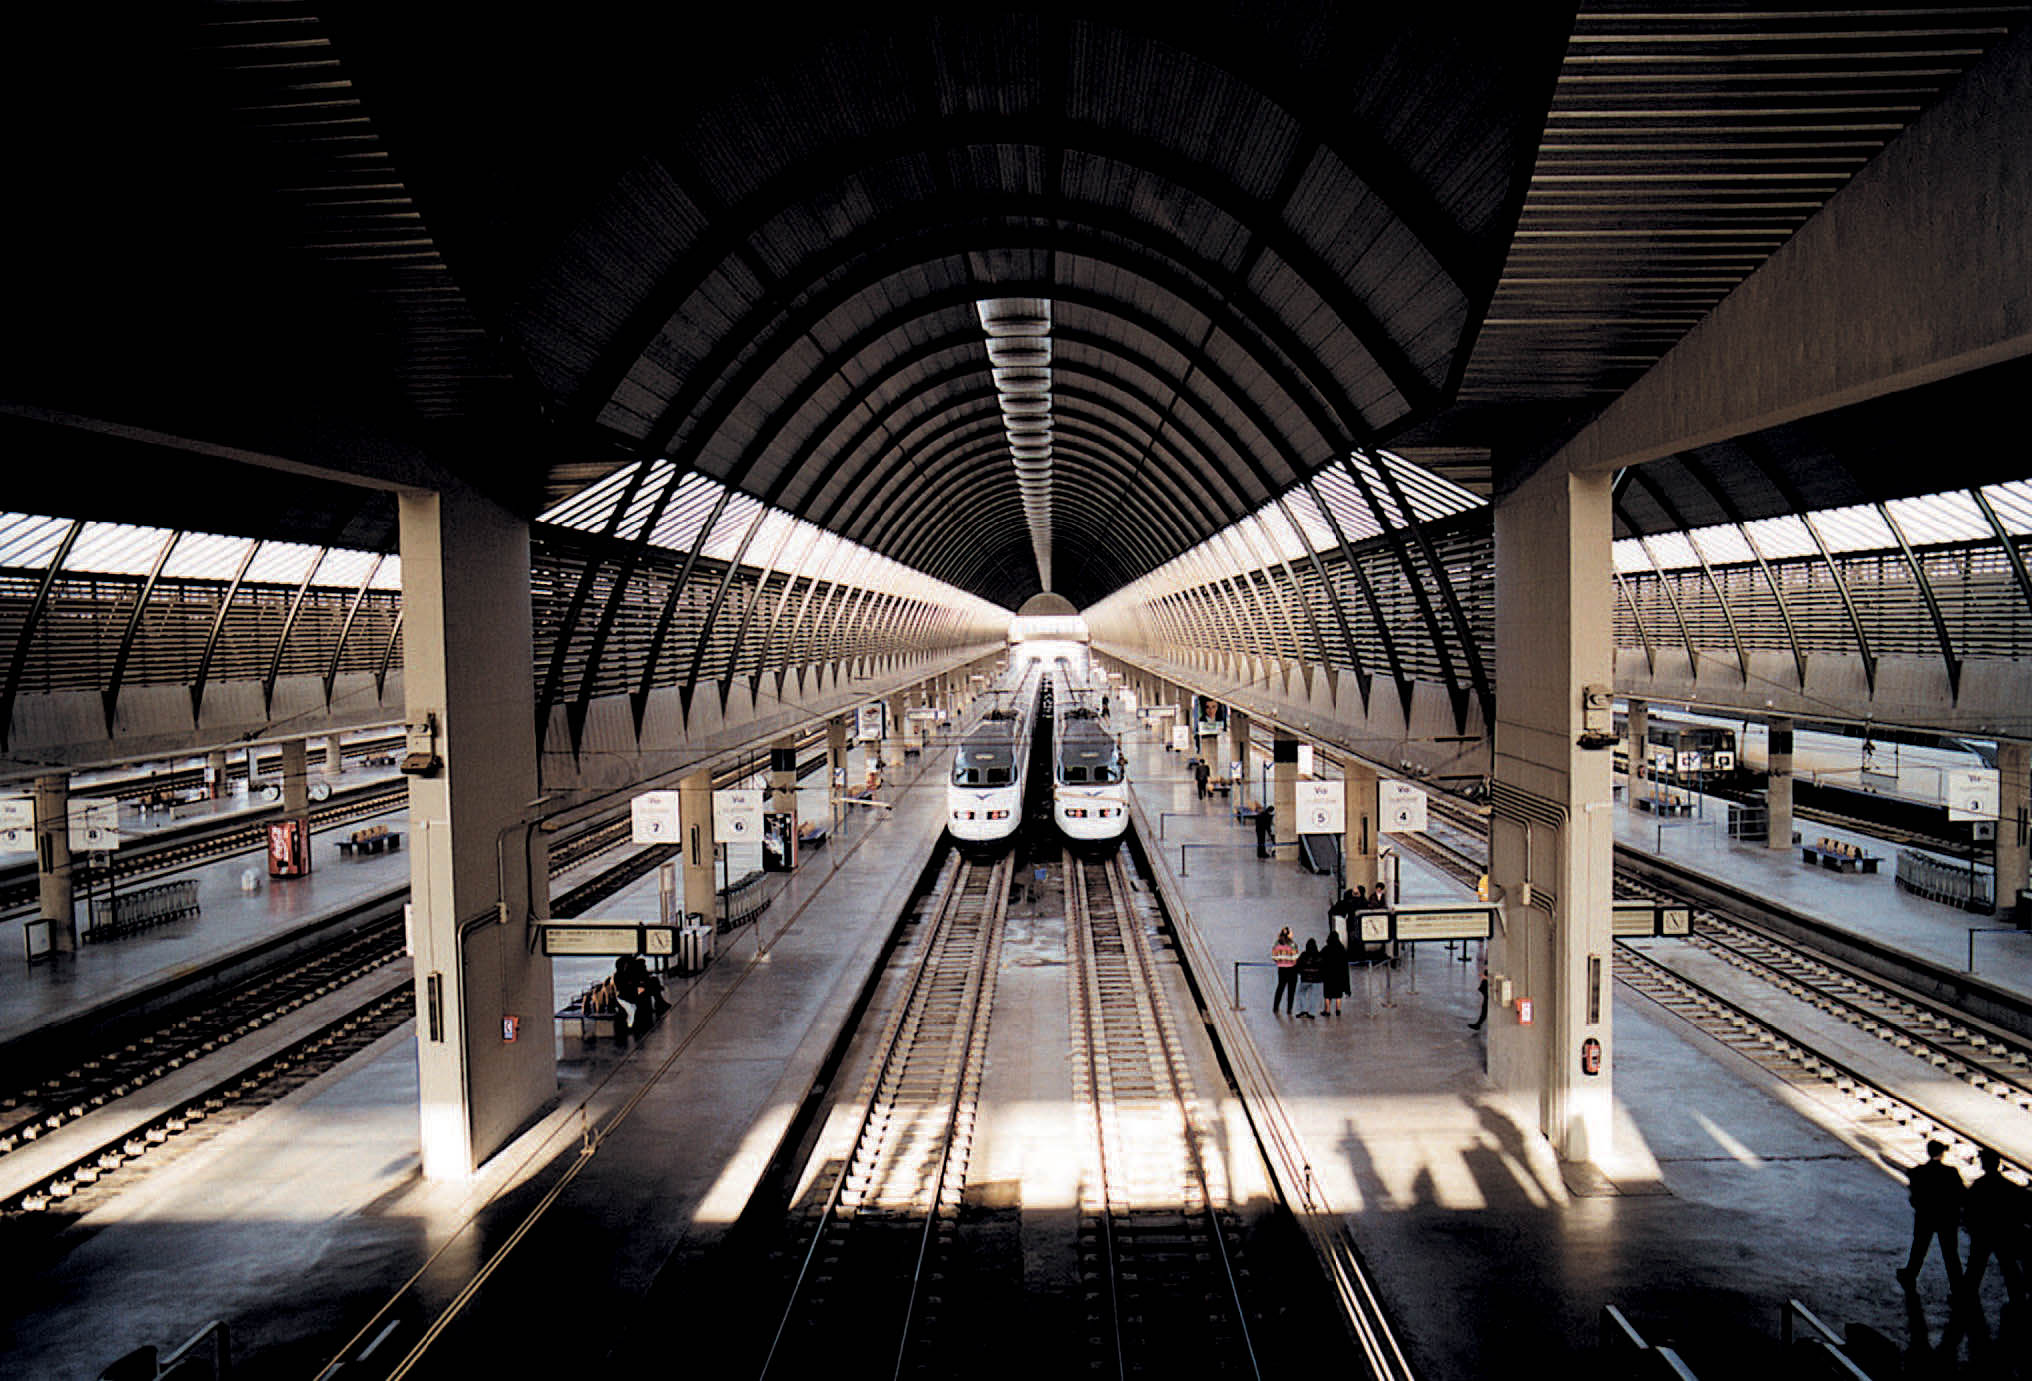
661,473
735,520
1860,528
1629,555
345,569
1431,496
1671,551
1344,501
1781,538
1311,522
1937,518
117,549
2013,505
281,563
687,513
27,542
389,577
1285,538
206,556
1722,546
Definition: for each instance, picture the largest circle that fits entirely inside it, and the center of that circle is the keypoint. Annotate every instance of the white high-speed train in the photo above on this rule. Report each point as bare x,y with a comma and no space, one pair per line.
984,798
1090,773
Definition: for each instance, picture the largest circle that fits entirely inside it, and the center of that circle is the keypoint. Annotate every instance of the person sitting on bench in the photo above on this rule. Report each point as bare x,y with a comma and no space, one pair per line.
639,993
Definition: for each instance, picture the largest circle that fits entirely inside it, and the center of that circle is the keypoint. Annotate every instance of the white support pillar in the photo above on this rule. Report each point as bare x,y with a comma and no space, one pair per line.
53,860
1551,837
296,776
1358,848
695,815
477,868
217,765
783,779
335,757
1778,793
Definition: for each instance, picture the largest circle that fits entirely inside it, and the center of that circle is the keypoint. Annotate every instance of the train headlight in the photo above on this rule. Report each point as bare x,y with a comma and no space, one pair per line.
1072,813
998,815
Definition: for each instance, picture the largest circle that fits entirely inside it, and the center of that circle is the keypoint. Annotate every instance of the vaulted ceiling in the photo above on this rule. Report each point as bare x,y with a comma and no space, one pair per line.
379,243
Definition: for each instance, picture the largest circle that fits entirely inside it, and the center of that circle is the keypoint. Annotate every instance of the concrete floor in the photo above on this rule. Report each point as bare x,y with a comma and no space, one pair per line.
1730,1194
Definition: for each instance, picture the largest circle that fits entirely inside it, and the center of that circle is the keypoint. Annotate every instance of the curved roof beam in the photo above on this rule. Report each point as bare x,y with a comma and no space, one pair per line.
733,227
1083,414
872,488
834,281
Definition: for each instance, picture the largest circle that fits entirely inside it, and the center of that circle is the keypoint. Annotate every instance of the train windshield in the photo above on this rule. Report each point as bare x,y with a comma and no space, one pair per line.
1080,766
983,766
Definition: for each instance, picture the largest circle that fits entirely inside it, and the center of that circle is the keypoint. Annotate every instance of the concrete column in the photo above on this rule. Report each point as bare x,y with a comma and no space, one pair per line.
1638,730
1238,751
1284,778
296,776
1358,848
1778,792
893,735
478,874
1551,841
695,815
783,777
335,757
2014,820
53,859
836,753
221,788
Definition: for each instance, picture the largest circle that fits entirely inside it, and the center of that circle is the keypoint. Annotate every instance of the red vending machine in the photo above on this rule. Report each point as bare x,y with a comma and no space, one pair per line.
288,847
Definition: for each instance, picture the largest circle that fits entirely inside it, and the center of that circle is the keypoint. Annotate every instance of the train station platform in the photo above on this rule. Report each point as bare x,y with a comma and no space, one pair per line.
1726,1194
654,1146
231,923
1870,905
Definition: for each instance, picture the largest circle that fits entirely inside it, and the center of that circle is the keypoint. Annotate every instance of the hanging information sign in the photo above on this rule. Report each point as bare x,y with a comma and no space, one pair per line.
1972,793
1322,807
1402,807
652,818
737,816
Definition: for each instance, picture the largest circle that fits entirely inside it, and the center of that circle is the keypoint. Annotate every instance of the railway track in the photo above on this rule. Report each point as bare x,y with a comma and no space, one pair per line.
18,892
1938,1038
1158,1245
880,1226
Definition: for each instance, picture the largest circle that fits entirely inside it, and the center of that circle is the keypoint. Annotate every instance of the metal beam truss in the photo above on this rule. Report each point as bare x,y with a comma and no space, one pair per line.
1366,600
108,632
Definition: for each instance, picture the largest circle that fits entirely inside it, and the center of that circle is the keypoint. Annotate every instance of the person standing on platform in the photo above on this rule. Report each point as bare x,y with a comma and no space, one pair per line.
1200,773
1284,954
1308,980
1483,1014
1344,911
1266,831
1936,1191
1997,1209
1333,974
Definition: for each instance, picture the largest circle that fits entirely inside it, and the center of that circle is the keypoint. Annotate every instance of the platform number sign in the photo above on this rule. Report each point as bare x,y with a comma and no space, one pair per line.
653,818
737,816
1322,807
17,822
1402,807
1972,794
94,826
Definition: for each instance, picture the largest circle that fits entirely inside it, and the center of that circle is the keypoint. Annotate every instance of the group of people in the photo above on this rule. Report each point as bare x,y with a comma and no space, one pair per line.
1311,983
1994,1209
632,994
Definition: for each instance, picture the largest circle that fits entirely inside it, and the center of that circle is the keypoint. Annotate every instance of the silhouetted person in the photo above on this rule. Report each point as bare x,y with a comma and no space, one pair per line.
1482,1015
1333,974
1200,773
1309,975
1936,1213
1995,1214
1266,832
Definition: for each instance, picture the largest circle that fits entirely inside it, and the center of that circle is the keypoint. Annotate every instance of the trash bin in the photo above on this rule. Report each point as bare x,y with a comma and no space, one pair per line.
2021,914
